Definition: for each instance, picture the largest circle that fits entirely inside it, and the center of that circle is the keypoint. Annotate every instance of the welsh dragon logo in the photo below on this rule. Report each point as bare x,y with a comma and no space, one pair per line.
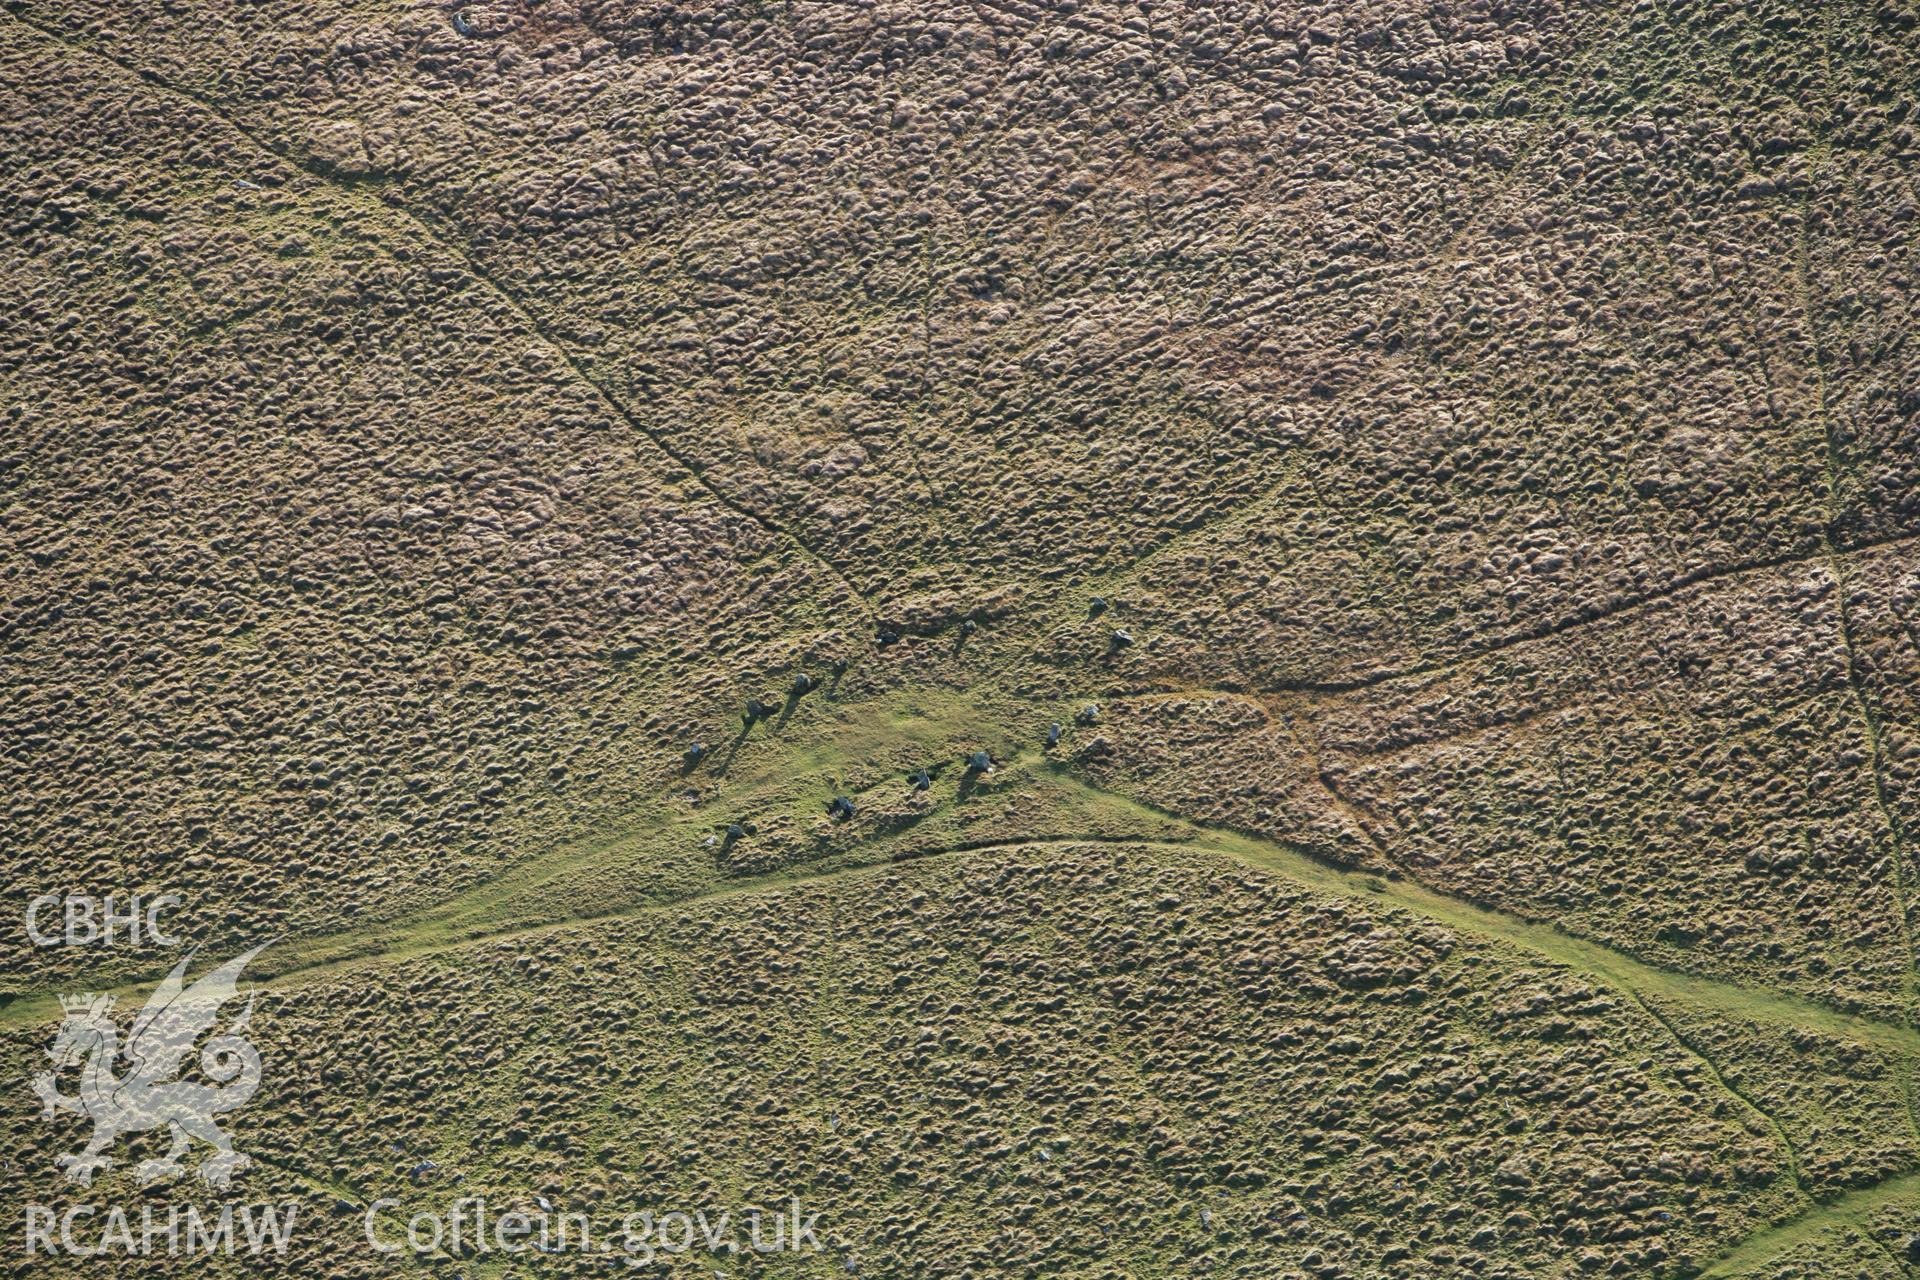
131,1090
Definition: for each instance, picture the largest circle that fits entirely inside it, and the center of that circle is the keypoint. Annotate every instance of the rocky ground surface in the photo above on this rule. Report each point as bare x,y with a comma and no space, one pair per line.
1451,473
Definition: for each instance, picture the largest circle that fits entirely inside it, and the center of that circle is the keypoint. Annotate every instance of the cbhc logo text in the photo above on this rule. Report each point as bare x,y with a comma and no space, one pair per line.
88,919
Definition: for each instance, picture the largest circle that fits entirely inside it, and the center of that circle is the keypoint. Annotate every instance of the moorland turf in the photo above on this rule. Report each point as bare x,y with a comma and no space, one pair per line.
1451,472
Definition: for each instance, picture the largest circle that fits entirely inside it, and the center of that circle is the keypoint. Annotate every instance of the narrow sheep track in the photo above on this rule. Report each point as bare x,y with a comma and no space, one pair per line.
1604,966
418,936
450,244
1633,979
